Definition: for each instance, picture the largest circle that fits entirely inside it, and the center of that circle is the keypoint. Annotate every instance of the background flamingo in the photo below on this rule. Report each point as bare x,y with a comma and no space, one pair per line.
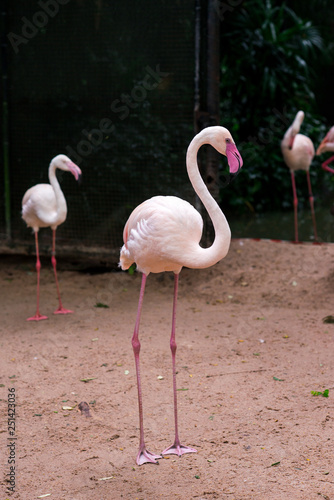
298,153
327,144
163,234
44,205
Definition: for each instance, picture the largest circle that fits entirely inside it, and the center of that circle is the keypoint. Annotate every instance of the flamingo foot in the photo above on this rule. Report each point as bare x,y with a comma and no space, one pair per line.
146,457
62,310
37,317
178,449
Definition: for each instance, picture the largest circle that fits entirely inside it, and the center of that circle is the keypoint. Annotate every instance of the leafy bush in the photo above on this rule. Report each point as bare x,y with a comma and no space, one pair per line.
270,61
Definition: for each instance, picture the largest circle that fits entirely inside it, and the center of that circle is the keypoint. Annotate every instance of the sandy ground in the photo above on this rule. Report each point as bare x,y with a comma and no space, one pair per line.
252,345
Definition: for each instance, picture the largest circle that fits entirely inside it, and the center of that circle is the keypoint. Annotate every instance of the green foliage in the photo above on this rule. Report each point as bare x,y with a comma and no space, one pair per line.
270,60
272,49
101,305
325,394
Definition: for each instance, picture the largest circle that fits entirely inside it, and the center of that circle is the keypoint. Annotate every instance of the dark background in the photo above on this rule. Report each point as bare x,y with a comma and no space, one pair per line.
71,72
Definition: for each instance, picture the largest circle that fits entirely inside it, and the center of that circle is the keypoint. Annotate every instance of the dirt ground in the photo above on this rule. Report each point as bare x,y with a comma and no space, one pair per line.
252,346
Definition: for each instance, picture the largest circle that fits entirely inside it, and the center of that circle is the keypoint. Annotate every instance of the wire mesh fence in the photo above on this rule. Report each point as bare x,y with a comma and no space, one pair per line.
110,84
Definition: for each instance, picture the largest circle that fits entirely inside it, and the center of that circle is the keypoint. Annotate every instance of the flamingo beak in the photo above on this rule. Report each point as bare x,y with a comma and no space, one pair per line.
75,170
234,159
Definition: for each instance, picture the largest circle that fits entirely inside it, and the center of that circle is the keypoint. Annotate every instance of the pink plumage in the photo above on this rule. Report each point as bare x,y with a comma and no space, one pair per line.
44,205
163,234
148,235
327,145
298,153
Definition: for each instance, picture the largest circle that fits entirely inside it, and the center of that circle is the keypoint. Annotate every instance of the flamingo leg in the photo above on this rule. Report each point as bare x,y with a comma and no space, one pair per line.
60,309
38,316
295,204
176,448
326,163
144,456
312,204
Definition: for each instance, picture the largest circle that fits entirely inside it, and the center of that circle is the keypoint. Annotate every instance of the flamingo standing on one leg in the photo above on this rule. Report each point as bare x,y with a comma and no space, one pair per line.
298,153
163,234
327,144
44,205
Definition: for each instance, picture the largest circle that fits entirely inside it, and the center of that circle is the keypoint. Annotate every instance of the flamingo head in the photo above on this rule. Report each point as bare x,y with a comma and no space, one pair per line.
295,127
63,162
221,139
327,142
234,158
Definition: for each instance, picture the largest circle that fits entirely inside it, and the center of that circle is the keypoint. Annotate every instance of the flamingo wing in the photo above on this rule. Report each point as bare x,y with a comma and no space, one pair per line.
160,233
39,207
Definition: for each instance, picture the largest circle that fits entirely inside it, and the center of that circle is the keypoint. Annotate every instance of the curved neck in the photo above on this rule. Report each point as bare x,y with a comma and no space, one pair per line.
217,251
60,198
293,130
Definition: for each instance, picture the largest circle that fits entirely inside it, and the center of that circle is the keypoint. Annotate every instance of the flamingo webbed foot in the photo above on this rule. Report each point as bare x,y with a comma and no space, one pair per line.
146,457
62,310
37,317
178,449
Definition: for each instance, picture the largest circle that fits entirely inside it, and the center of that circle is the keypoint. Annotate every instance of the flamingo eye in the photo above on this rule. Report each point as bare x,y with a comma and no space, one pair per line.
228,141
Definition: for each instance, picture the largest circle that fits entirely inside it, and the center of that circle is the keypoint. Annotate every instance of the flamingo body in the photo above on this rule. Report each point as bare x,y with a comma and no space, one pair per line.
147,235
300,156
298,153
163,234
44,205
40,209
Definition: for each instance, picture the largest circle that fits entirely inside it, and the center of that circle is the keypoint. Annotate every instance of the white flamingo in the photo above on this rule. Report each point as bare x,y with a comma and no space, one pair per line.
44,205
163,234
298,153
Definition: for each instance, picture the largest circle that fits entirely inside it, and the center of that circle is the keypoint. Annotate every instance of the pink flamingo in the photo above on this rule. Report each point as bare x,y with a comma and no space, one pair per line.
298,153
163,234
44,205
327,144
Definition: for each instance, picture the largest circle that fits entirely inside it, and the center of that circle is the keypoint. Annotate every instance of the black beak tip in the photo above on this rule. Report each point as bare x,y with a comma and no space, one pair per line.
233,175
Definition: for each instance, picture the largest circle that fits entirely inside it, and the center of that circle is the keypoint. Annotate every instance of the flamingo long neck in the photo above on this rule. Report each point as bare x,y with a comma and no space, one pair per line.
293,130
60,198
206,257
